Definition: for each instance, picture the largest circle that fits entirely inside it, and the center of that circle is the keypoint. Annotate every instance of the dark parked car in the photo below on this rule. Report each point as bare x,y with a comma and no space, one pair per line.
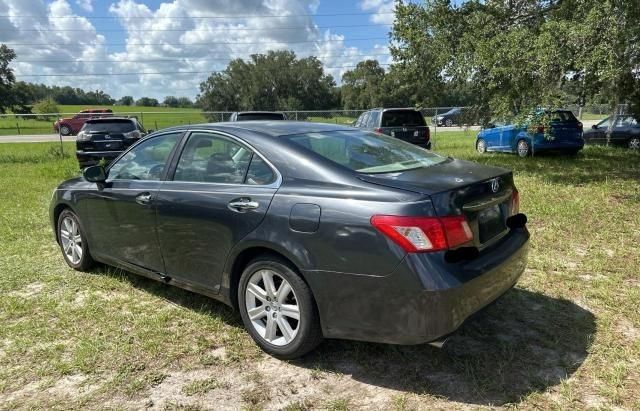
257,115
71,125
103,139
625,132
449,118
565,135
309,230
403,123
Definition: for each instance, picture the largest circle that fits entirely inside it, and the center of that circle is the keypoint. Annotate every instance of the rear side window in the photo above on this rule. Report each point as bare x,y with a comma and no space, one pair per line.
402,118
109,126
563,116
259,172
260,116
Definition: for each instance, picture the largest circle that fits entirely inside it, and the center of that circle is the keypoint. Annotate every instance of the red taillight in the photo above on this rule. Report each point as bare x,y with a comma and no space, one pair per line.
377,130
580,126
540,128
515,202
424,234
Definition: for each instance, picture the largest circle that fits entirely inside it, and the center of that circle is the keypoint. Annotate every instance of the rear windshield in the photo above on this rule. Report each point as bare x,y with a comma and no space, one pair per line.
123,126
366,152
563,116
260,116
402,118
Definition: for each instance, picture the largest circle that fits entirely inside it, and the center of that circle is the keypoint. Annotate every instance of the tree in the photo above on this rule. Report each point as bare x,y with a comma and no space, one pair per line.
273,81
171,101
517,55
6,77
362,86
46,106
185,102
21,99
126,101
147,102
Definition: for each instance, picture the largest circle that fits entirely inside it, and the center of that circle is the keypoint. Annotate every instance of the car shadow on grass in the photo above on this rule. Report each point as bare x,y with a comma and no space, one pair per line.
524,343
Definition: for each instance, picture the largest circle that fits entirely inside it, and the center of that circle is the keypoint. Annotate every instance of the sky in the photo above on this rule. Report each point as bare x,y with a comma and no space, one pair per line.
95,44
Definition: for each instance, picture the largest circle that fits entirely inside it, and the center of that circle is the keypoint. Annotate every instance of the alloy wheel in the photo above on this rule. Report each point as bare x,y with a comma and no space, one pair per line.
523,148
634,143
272,307
65,130
71,240
481,146
448,123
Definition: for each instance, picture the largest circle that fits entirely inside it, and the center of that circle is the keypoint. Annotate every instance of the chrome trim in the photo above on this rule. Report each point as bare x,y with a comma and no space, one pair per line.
480,204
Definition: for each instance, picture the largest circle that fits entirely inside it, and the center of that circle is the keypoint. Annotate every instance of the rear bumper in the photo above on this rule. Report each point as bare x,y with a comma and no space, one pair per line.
424,298
91,158
569,145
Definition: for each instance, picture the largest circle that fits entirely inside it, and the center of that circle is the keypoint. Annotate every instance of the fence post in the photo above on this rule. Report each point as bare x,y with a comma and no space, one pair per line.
60,137
141,119
156,124
435,130
296,115
18,127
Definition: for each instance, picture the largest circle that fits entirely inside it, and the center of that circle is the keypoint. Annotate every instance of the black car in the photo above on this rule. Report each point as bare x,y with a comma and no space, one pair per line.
103,139
403,123
309,230
625,132
449,118
257,115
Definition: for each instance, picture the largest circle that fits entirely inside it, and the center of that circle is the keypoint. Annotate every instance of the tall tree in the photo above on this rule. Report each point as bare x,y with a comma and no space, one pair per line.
276,80
6,77
362,86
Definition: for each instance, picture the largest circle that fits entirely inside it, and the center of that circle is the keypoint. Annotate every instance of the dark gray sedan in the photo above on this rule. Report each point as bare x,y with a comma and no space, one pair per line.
309,230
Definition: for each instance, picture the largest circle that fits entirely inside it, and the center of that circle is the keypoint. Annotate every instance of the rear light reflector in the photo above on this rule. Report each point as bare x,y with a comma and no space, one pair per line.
515,202
377,130
424,234
580,126
540,128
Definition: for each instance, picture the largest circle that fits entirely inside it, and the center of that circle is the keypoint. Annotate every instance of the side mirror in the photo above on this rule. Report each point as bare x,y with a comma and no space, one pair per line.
594,127
95,174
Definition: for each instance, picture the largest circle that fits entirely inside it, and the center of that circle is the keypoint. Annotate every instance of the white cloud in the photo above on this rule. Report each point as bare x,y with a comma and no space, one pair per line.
383,9
176,31
85,5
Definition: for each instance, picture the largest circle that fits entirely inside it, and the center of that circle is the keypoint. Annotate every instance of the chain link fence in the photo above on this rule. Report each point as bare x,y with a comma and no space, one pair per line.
438,118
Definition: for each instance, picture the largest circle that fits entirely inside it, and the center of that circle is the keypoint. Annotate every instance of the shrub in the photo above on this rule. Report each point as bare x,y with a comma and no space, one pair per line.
46,106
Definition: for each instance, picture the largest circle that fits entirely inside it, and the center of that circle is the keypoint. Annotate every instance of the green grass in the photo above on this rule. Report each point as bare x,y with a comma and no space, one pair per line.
568,336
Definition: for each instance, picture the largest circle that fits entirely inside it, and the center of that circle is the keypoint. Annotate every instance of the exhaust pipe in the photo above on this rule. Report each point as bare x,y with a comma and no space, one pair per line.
439,343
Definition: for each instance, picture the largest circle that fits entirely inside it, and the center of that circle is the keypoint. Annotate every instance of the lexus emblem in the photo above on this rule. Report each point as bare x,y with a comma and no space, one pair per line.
495,185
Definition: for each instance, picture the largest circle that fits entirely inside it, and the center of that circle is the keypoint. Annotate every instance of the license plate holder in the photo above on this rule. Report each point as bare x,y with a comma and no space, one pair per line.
490,223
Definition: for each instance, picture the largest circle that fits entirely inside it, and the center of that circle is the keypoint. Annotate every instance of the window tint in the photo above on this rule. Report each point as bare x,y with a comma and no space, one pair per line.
259,172
563,116
110,126
374,119
146,161
209,158
260,116
366,152
401,118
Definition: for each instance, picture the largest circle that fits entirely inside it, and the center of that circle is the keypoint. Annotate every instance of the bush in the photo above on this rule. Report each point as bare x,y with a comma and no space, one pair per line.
46,106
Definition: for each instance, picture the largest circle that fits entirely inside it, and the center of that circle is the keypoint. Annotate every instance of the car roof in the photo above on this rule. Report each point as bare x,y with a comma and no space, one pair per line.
258,112
270,128
395,108
110,119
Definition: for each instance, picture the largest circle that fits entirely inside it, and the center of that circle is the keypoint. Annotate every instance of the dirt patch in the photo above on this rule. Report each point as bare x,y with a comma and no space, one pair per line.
30,290
68,387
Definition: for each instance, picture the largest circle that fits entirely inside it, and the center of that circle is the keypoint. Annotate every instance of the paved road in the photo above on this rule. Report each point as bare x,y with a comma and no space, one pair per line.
44,138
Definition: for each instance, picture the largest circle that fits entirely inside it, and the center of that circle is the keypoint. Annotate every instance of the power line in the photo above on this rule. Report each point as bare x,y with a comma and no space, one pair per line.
204,44
174,72
188,60
249,16
192,31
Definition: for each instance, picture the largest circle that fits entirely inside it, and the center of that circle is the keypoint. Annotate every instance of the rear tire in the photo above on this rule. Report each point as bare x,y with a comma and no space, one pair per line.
634,143
270,295
523,148
481,146
448,122
65,130
73,241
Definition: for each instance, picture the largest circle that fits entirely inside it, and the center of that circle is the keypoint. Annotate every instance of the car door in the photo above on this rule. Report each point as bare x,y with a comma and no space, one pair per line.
220,192
121,213
622,129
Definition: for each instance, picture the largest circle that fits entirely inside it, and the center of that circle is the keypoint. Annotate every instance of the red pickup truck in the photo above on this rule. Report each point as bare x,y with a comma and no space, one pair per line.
71,125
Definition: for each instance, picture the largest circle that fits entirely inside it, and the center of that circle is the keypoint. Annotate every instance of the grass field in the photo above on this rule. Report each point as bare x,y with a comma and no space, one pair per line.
567,337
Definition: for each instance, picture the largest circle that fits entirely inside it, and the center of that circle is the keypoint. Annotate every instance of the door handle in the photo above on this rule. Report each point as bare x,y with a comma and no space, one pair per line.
241,205
143,198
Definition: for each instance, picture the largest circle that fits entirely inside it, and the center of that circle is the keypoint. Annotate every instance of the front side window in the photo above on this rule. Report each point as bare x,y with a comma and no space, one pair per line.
146,161
366,152
210,158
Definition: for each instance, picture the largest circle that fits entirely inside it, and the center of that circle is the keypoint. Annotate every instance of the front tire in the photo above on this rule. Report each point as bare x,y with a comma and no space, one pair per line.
73,241
481,146
634,143
278,308
65,130
523,148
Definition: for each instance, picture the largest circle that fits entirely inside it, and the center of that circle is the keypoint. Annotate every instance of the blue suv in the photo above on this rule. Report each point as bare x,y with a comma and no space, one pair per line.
565,135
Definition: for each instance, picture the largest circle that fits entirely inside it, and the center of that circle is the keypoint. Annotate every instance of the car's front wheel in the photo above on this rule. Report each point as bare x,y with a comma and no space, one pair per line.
278,309
634,143
73,241
65,130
